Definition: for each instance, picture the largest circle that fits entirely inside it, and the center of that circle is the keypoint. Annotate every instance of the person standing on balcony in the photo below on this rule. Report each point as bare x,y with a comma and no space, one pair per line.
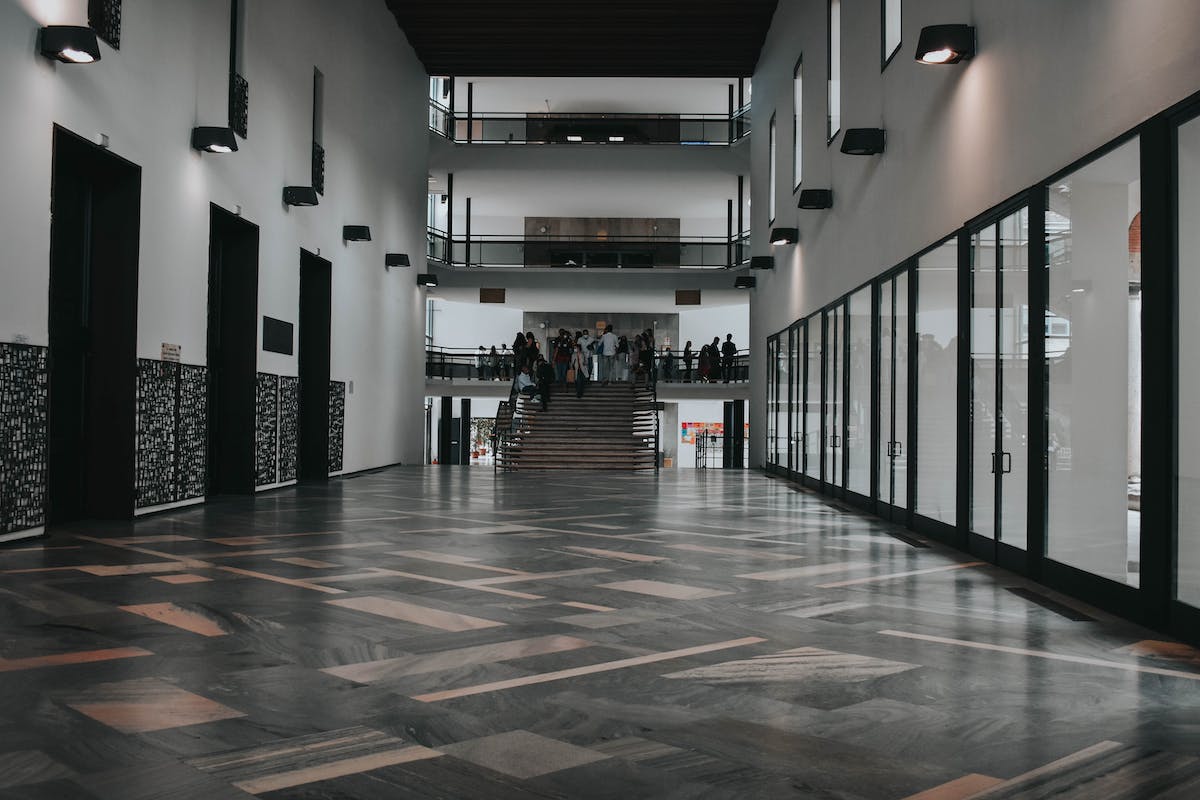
714,359
483,366
493,364
688,355
647,357
706,358
668,363
729,357
505,363
579,363
607,350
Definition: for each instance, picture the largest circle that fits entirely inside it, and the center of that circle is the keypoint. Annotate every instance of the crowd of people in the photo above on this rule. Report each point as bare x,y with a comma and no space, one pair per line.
579,357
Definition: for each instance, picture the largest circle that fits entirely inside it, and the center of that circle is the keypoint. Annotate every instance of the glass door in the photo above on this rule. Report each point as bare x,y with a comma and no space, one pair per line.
859,433
835,381
895,329
772,401
795,401
999,380
814,348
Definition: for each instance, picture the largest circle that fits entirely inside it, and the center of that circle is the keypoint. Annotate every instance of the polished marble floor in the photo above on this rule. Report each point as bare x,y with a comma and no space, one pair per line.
451,633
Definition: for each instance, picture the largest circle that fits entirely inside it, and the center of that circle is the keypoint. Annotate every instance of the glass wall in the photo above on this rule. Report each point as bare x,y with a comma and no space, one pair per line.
773,409
858,396
797,127
1188,555
795,387
937,382
894,330
812,398
1093,308
835,338
835,68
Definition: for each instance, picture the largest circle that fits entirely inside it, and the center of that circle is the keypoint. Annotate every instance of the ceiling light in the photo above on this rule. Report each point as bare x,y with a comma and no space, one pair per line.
214,140
574,137
945,44
863,141
300,196
785,236
356,233
427,279
616,138
396,260
70,44
745,282
816,198
762,262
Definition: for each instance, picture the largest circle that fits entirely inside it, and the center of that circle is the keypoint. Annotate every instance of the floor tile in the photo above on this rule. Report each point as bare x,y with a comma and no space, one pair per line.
146,704
521,754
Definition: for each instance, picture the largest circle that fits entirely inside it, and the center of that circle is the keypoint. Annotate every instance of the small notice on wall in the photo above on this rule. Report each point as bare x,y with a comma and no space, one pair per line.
171,352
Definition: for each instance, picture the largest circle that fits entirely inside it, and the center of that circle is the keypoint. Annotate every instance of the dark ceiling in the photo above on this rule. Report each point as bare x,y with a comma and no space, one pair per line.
582,38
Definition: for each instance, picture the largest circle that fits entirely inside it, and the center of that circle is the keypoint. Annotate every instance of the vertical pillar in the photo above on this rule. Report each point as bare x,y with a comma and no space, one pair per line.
464,432
738,435
445,439
727,439
470,112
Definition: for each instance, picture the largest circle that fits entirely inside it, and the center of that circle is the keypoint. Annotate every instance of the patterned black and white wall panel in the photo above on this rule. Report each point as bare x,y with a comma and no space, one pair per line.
289,426
266,430
104,17
23,411
157,390
191,435
337,424
172,432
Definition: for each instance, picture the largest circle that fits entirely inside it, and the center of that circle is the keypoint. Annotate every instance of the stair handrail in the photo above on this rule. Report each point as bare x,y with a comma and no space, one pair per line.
501,438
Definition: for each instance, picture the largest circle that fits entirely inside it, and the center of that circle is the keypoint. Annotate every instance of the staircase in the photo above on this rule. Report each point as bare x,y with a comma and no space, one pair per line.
612,427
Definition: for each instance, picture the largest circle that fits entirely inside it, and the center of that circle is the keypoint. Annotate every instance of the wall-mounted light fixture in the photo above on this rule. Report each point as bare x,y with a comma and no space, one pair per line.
300,196
785,236
745,282
356,233
945,44
762,262
815,198
427,279
863,141
70,44
214,140
616,138
396,260
574,137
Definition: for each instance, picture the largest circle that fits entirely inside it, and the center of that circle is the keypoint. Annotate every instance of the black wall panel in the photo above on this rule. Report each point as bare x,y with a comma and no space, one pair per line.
23,403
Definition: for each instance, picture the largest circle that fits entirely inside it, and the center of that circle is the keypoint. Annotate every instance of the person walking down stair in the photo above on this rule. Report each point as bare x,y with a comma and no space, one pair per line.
579,363
545,378
607,348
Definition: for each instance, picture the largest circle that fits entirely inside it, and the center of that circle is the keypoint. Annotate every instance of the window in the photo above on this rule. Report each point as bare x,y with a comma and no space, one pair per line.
772,182
892,12
797,115
859,425
1093,458
835,68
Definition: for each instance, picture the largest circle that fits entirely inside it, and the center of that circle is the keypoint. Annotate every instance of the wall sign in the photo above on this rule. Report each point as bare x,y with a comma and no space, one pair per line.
171,352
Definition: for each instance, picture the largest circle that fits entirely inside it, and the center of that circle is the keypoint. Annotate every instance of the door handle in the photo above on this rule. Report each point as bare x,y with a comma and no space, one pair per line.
1007,460
993,463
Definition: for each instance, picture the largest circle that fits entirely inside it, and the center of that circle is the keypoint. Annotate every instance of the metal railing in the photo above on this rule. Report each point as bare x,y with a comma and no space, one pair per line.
596,127
464,364
594,252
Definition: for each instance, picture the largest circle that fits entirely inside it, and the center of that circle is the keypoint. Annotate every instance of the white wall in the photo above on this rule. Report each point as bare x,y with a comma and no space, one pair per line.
468,325
572,95
507,184
170,75
701,325
1051,83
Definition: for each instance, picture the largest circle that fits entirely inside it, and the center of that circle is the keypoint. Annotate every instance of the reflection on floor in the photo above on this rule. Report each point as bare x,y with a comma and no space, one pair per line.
452,633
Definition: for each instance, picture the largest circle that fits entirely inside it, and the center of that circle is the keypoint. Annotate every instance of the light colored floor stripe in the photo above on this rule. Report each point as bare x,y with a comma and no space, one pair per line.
262,576
534,576
999,648
380,572
63,659
619,555
744,552
419,615
893,576
592,669
804,572
958,789
1064,763
450,558
337,769
587,606
173,615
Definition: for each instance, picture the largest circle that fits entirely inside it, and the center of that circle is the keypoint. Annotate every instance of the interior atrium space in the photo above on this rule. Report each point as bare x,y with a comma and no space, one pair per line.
593,400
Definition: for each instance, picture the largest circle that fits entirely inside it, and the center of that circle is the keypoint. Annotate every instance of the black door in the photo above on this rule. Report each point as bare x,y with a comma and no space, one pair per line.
96,214
232,351
316,275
